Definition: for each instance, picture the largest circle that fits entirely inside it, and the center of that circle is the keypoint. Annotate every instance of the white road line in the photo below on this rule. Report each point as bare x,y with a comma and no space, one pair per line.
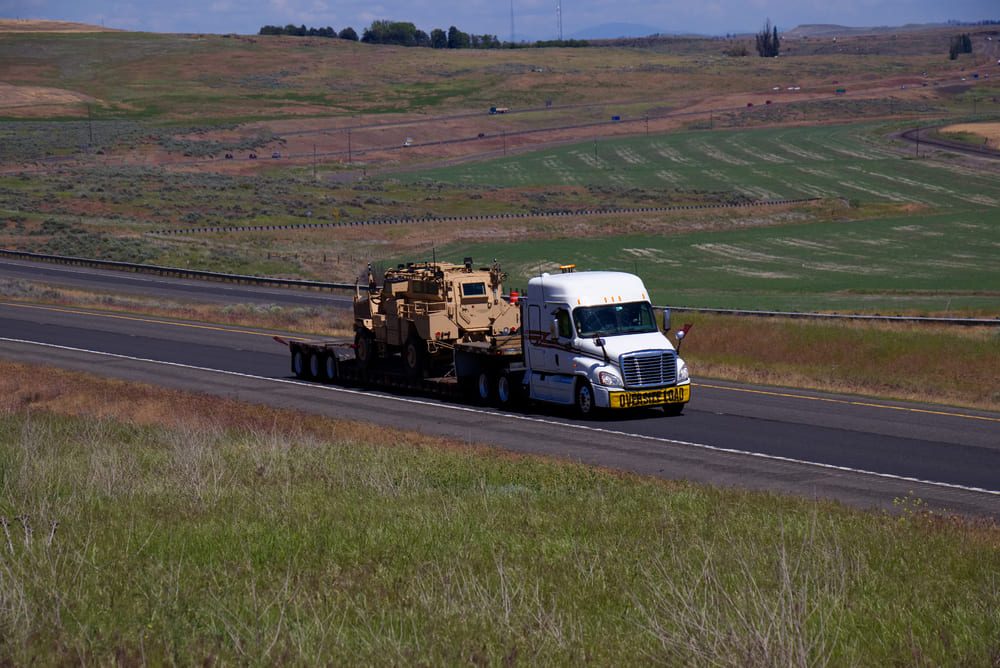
525,418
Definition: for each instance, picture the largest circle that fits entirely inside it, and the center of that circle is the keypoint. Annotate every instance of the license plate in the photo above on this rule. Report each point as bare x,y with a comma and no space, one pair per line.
667,395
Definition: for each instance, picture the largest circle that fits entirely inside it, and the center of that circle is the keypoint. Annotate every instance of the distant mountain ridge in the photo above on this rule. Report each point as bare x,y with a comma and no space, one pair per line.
833,30
615,30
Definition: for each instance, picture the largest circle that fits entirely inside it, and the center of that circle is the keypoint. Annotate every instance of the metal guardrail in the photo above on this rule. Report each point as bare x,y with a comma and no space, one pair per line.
487,216
321,285
177,272
925,320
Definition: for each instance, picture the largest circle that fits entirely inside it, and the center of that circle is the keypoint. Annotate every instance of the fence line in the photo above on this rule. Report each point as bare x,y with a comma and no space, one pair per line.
179,272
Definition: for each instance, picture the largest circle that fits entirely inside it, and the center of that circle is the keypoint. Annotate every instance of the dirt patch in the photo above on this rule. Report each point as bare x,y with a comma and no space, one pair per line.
990,132
39,98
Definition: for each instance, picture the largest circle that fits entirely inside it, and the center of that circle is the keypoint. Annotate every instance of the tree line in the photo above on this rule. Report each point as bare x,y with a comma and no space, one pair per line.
400,33
767,42
959,44
302,31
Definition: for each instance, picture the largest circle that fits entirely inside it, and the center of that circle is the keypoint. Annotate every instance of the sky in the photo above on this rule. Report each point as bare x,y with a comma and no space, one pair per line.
533,19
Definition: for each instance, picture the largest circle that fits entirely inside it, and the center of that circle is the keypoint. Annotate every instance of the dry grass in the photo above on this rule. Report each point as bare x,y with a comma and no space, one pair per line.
988,132
175,528
949,365
44,25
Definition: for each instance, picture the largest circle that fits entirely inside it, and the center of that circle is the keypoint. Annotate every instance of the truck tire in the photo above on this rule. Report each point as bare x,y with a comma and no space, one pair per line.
315,365
585,405
329,368
484,388
299,363
506,394
364,349
673,410
415,358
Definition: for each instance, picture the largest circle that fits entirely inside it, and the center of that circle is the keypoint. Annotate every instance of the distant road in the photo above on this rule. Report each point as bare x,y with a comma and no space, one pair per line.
163,287
861,452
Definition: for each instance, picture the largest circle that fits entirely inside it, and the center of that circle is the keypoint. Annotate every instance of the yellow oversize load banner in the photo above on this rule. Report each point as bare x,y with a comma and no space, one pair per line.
667,395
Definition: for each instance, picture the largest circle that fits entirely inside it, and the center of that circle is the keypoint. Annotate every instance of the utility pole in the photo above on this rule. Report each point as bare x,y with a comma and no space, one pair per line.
559,18
512,23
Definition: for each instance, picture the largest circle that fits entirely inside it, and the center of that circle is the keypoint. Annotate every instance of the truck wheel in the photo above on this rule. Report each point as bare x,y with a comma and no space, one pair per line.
315,365
299,363
505,391
329,368
585,405
484,388
414,356
673,409
364,349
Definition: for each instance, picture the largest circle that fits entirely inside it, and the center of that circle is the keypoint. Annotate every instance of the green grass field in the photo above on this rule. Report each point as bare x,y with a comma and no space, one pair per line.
940,257
848,161
946,263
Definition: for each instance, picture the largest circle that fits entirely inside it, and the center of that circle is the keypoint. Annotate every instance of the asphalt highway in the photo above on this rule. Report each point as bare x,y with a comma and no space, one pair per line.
110,280
858,451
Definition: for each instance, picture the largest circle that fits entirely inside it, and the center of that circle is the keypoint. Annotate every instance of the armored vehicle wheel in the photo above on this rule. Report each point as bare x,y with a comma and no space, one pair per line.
364,349
585,405
414,358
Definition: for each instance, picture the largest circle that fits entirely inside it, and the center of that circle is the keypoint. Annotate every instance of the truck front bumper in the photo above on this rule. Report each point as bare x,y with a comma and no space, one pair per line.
662,396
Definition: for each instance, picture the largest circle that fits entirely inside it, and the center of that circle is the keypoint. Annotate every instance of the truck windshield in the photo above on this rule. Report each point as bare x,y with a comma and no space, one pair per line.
614,319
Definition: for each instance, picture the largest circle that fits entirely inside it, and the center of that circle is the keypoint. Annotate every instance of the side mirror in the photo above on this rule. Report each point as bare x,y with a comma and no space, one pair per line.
554,328
681,333
665,312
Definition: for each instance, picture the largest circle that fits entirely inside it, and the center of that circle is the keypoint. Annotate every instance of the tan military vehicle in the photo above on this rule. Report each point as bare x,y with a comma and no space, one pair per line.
424,309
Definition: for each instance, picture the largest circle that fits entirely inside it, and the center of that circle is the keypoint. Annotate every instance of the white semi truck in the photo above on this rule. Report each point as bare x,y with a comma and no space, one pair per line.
584,339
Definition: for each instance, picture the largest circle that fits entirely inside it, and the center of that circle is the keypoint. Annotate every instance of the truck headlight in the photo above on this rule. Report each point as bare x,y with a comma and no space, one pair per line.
682,371
609,379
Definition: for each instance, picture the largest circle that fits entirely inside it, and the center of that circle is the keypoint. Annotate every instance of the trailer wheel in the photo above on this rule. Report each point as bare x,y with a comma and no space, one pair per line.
585,405
315,365
364,345
484,387
298,363
329,366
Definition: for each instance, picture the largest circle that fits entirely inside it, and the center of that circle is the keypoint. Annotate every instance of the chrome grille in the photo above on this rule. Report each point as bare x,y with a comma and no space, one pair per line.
649,368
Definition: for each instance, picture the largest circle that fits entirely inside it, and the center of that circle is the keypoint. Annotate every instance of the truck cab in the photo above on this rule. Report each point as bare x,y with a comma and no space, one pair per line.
591,339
